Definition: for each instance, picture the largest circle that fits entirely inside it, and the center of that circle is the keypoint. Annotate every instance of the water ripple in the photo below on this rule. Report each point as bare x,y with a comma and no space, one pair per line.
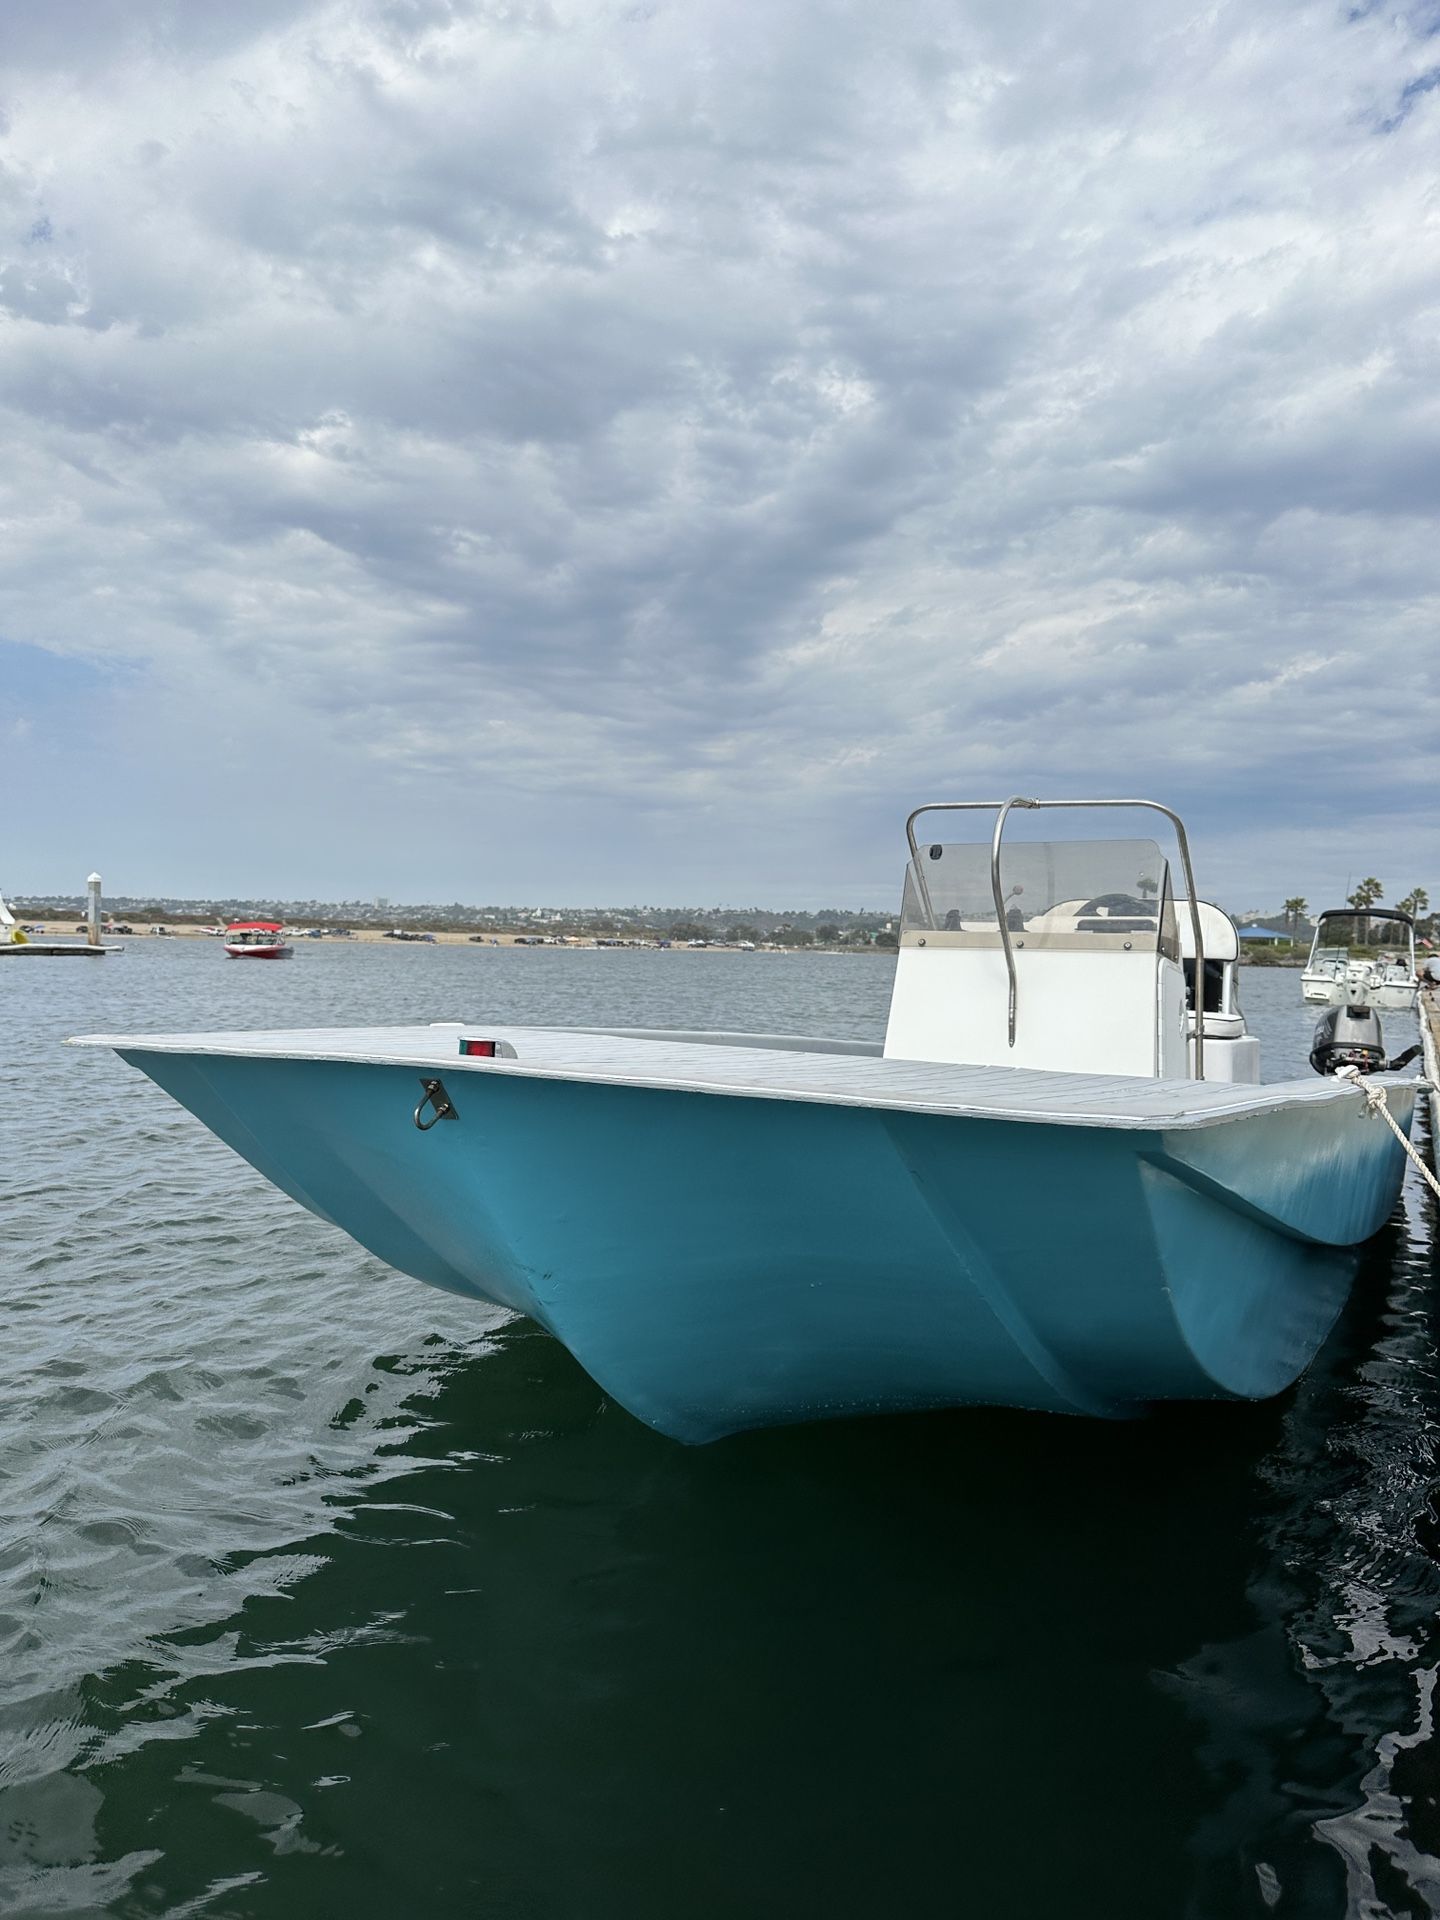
321,1592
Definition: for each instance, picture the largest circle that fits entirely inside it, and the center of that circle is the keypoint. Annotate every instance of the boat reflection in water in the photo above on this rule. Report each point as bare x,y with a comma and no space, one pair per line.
1319,1714
1055,1184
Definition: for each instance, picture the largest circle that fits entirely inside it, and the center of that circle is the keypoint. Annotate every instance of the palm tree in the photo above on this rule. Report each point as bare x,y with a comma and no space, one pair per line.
1294,909
1365,895
1414,903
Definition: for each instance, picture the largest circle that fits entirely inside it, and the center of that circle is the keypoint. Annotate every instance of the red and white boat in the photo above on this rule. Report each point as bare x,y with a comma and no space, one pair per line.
256,940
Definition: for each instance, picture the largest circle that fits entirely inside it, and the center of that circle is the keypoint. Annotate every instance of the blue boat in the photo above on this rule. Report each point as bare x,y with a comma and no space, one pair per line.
1056,1183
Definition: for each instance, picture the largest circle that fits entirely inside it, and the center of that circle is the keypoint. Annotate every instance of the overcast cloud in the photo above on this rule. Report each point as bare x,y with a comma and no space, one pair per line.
582,451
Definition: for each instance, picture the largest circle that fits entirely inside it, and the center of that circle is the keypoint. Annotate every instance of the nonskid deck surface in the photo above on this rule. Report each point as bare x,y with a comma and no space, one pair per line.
765,1067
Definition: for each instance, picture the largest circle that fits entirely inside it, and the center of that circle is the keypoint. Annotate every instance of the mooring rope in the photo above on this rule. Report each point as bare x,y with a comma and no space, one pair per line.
1376,1103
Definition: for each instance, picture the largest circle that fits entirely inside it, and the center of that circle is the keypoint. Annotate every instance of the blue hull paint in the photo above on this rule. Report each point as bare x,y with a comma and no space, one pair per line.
721,1263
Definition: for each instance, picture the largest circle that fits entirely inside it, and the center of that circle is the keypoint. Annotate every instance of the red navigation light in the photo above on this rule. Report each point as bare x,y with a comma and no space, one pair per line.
479,1049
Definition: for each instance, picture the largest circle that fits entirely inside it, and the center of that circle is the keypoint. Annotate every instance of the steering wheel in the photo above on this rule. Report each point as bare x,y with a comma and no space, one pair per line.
1119,903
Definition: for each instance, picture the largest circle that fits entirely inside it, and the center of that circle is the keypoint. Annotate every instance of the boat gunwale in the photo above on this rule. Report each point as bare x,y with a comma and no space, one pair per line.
1110,1101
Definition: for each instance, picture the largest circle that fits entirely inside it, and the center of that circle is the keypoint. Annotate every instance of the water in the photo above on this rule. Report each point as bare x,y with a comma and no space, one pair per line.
322,1593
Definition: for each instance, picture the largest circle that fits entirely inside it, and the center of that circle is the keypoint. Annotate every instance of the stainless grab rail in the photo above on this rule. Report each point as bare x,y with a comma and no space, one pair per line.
1003,808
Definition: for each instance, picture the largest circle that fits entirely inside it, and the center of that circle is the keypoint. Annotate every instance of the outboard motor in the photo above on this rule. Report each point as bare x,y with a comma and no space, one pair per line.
1350,1036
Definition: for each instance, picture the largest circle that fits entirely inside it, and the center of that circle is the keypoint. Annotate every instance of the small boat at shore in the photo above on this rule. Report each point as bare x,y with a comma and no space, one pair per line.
256,940
1057,1183
1363,957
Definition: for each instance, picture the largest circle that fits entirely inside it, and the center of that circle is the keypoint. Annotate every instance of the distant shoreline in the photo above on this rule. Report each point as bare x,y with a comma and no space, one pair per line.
72,929
573,943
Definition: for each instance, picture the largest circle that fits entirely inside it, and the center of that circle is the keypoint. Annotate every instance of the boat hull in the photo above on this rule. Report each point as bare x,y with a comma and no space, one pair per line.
1396,999
1327,991
258,953
719,1263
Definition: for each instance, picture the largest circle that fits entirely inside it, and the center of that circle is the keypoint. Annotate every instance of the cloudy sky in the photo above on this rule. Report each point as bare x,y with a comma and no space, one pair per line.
560,450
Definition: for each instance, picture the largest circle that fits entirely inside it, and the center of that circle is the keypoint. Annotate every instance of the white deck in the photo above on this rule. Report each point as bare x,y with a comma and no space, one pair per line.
766,1072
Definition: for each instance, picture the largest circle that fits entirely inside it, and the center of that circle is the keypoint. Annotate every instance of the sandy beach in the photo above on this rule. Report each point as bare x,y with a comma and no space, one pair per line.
69,929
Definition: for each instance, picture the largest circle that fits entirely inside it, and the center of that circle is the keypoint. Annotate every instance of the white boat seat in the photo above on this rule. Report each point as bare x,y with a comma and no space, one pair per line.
1221,1026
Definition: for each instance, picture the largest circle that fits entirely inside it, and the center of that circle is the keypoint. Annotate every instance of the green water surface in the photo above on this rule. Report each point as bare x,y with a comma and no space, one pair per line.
322,1593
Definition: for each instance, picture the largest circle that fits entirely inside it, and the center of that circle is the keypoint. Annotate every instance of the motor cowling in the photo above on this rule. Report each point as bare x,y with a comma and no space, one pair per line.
1348,1036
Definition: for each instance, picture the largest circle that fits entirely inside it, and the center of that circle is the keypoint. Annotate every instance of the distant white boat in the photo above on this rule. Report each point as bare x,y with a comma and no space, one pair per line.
1362,957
